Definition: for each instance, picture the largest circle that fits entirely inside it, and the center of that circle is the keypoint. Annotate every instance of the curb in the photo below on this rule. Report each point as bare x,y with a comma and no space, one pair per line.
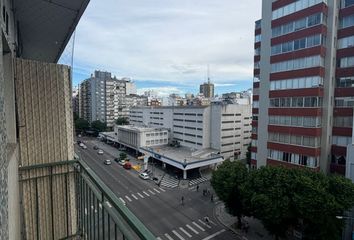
221,222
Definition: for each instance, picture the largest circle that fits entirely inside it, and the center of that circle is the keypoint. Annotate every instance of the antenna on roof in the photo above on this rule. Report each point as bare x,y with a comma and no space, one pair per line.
208,74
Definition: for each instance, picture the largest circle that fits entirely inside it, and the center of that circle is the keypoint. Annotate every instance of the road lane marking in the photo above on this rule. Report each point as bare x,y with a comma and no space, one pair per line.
185,232
141,195
177,234
156,190
192,229
85,211
100,205
146,193
151,192
204,223
212,222
198,226
134,197
162,189
168,236
122,200
213,235
128,198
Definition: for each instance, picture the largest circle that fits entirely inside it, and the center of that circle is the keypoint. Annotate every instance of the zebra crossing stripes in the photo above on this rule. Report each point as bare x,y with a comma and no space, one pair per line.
140,195
177,234
185,232
195,224
146,193
168,236
134,197
128,198
156,190
197,181
192,229
169,182
151,192
196,229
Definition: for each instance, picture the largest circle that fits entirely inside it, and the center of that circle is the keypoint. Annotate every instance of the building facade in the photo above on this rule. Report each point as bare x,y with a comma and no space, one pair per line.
103,97
207,89
225,127
137,137
302,90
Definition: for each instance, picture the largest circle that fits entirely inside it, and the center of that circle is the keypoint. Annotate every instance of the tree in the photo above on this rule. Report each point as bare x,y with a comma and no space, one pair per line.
285,199
122,121
122,155
227,182
81,124
98,126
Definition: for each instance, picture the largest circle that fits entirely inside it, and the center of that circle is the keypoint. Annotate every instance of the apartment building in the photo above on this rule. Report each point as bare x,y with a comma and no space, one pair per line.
225,127
207,89
303,84
103,97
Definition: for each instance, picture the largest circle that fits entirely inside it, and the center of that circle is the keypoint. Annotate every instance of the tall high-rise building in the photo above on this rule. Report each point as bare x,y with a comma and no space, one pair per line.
303,84
207,89
103,97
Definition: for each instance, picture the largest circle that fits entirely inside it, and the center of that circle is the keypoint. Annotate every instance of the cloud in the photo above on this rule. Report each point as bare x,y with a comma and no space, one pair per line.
224,84
162,91
168,40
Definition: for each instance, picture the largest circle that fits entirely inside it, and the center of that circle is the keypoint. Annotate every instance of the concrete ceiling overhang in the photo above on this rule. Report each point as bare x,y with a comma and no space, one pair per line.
45,26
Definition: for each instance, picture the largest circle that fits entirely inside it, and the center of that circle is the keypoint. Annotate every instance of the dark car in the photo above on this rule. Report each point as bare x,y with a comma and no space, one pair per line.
78,142
116,159
95,147
127,165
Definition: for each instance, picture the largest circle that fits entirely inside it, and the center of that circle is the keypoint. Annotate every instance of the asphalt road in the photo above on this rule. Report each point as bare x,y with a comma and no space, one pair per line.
160,209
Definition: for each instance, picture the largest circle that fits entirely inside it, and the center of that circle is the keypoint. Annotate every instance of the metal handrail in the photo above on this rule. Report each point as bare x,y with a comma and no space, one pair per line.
125,214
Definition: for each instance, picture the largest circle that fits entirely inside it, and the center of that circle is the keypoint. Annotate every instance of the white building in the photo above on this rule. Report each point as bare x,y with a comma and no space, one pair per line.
224,127
103,97
136,137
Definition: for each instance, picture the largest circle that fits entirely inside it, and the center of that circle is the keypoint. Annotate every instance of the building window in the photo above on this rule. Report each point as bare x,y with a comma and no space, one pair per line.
296,6
346,3
347,21
296,83
300,63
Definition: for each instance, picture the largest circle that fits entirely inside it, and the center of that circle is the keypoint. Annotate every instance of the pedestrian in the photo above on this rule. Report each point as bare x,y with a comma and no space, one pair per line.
197,188
182,200
206,219
211,198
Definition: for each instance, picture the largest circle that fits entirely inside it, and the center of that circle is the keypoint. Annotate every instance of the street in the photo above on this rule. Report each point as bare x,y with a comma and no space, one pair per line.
159,208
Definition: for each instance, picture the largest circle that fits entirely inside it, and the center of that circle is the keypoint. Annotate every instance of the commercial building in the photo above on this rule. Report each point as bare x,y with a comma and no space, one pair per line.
136,137
103,97
219,126
207,89
303,84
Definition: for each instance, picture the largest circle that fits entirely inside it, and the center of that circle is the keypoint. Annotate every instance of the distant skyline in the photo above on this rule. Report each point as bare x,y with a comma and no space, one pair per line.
166,45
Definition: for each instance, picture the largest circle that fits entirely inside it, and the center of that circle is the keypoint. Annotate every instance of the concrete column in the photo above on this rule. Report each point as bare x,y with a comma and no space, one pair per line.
184,174
146,160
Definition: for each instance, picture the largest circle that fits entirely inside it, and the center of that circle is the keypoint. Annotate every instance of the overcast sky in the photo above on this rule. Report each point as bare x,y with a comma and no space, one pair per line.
166,45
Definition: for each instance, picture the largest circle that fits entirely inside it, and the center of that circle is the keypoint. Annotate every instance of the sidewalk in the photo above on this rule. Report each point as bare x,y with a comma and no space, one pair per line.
256,230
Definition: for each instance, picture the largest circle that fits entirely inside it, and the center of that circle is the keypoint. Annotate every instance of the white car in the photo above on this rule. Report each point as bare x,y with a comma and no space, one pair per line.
100,151
107,162
144,176
84,147
81,144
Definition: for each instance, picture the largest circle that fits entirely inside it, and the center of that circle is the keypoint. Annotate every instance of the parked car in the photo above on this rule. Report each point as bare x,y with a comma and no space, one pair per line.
95,147
100,151
84,146
78,142
127,165
144,176
107,162
116,160
81,144
121,162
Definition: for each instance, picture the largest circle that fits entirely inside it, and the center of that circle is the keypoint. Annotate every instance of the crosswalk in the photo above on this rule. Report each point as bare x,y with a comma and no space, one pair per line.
197,181
170,182
141,195
191,230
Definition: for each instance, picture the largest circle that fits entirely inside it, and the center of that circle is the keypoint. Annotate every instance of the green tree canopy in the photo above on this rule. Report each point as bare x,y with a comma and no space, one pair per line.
285,199
122,121
81,124
122,155
99,126
227,182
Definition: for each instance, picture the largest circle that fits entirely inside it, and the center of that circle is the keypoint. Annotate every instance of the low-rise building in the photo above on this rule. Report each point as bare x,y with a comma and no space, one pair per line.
136,137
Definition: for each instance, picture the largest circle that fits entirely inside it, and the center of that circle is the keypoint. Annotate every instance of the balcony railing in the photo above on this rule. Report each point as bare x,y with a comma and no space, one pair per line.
93,211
